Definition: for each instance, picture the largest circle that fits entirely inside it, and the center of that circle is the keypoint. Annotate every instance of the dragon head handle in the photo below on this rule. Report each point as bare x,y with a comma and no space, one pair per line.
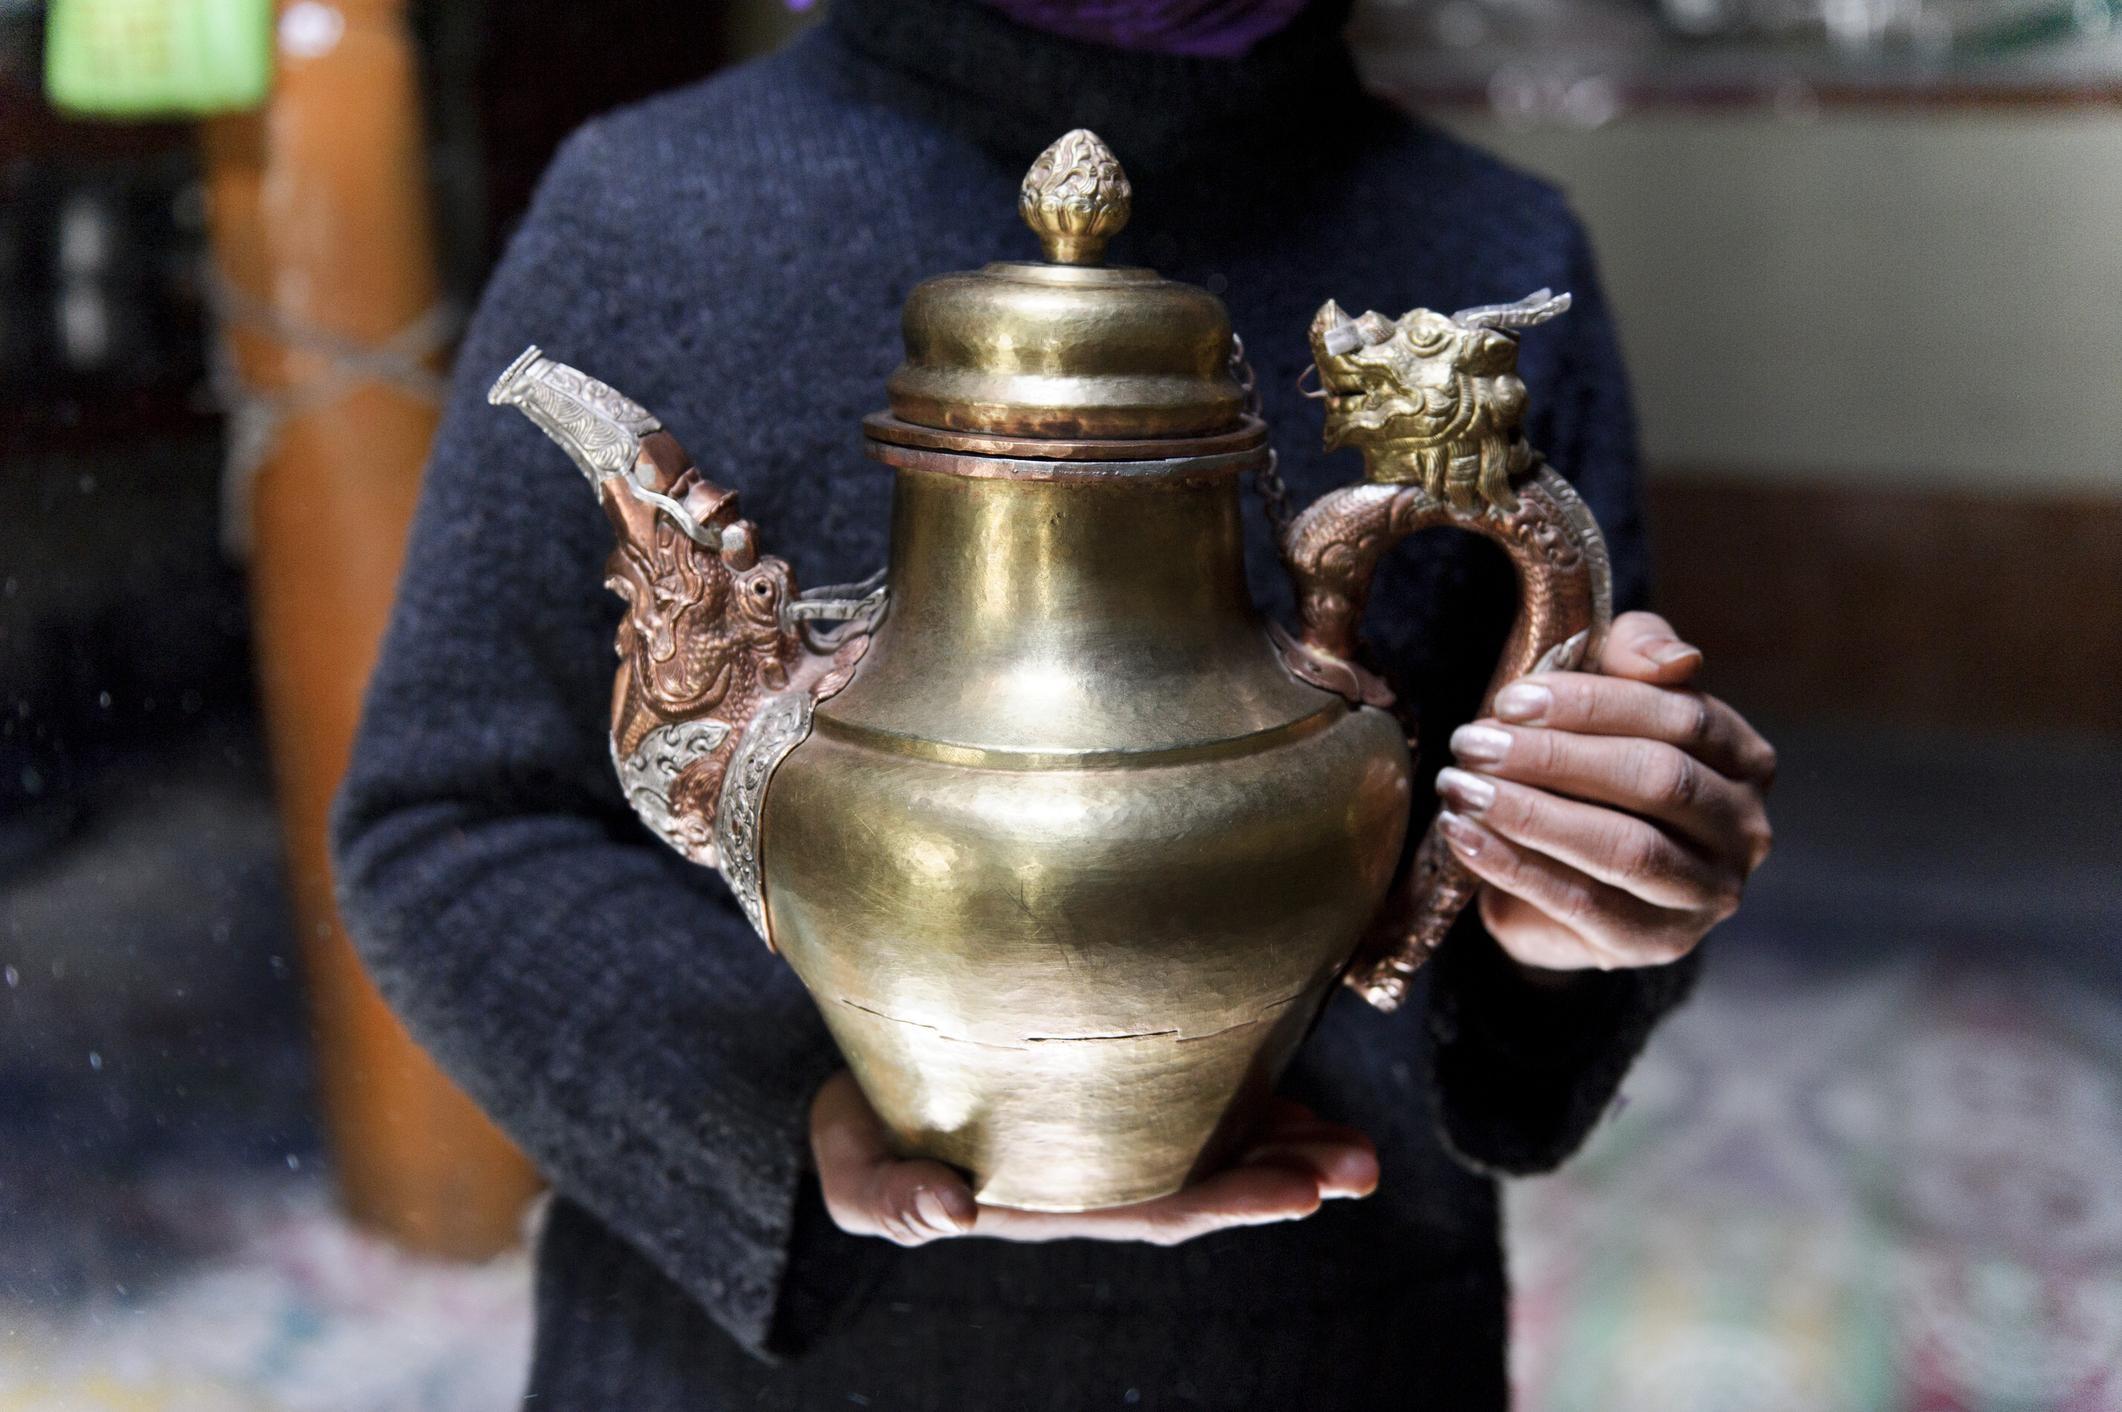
1431,399
1435,404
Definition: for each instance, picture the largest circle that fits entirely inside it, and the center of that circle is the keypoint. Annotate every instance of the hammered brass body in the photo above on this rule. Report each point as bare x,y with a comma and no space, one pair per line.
1071,863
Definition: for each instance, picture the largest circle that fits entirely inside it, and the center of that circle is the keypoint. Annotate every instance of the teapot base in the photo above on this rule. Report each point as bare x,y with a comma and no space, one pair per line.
1028,1153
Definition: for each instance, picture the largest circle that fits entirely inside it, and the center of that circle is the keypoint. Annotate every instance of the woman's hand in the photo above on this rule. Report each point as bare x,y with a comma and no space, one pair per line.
1296,1161
1614,819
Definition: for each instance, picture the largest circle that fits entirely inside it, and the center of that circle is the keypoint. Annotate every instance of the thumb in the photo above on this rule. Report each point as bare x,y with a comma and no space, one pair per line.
913,1203
1643,647
868,1191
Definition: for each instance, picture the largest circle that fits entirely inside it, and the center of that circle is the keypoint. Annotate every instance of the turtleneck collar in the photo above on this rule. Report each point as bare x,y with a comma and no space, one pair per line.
1015,88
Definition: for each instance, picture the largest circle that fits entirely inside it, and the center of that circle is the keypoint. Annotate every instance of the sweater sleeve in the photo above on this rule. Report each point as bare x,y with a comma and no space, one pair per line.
603,999
1522,1071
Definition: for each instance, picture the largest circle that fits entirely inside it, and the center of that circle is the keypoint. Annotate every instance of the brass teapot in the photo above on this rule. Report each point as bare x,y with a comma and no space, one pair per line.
1066,842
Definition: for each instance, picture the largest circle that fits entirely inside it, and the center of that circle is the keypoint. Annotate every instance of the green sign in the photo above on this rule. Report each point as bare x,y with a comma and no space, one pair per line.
158,58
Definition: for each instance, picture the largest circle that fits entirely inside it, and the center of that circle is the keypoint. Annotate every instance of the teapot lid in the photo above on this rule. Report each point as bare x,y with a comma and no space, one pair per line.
1067,350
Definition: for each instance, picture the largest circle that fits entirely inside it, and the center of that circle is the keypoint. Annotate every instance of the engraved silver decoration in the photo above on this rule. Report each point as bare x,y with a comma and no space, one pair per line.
647,775
599,427
780,726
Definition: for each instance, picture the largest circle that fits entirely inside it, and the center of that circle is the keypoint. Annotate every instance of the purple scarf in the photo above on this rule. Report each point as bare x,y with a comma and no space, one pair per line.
1199,29
1202,29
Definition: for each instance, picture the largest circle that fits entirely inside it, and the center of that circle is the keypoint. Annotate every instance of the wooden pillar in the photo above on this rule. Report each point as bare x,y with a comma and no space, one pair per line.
321,226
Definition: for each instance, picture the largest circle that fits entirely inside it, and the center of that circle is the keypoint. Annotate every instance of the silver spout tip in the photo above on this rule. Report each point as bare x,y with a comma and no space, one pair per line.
498,395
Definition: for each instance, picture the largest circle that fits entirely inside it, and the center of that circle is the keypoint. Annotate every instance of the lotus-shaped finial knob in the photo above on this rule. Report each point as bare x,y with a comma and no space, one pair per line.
1076,198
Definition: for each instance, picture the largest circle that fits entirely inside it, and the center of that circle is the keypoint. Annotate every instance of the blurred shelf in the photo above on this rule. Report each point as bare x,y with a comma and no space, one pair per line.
84,420
1603,65
30,129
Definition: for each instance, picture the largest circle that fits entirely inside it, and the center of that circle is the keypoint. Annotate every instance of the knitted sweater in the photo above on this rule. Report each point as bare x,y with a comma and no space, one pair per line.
735,256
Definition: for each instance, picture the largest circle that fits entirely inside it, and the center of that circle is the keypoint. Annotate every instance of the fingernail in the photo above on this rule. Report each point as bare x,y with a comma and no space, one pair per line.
1346,1190
935,1213
1480,745
1672,650
1464,838
1465,792
1524,701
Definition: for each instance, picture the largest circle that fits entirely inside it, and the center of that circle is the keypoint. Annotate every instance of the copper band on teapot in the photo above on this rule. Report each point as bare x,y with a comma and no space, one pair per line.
912,447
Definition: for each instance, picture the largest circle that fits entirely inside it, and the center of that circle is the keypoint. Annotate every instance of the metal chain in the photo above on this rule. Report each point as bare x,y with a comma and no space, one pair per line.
1267,480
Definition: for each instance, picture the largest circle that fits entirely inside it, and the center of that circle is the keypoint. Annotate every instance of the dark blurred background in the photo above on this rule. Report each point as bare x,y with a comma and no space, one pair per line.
1864,255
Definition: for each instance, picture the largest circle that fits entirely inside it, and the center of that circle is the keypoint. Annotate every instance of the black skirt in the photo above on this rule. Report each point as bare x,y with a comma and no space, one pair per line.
1321,1315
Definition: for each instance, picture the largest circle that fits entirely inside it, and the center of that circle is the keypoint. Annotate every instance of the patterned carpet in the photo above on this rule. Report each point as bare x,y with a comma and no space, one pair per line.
1873,1167
1876,1164
1891,1188
279,1308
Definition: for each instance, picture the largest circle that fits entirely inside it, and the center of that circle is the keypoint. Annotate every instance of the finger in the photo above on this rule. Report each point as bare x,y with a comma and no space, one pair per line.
1533,938
1261,1194
1313,1130
846,1135
913,1203
1648,777
1623,930
1340,1156
1701,725
1280,1114
1618,849
1644,647
1257,1193
1343,1158
1285,1119
867,1190
1342,1166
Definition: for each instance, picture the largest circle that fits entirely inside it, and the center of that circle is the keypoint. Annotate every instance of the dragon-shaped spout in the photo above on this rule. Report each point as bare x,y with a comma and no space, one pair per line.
1432,399
714,634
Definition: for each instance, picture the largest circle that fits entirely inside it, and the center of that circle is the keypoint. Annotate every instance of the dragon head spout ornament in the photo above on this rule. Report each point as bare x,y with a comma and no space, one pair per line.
703,624
1431,399
714,631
